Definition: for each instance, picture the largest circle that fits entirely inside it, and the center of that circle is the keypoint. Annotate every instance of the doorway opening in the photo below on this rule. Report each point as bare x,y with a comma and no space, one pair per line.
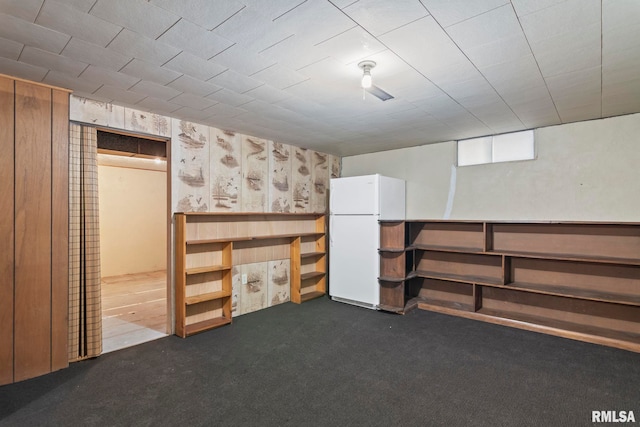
132,181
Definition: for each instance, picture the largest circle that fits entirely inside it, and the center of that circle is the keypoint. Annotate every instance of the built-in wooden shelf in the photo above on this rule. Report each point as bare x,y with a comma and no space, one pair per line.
312,254
579,280
312,275
211,296
250,238
209,245
311,295
205,325
207,269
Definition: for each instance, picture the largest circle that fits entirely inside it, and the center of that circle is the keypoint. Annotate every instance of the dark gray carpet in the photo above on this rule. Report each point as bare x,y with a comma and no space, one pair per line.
327,363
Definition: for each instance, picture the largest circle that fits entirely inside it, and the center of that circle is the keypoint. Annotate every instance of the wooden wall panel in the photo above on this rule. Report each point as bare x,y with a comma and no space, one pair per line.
32,320
6,230
60,230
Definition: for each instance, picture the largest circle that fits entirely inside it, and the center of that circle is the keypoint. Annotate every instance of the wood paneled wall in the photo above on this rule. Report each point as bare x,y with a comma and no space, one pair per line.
34,224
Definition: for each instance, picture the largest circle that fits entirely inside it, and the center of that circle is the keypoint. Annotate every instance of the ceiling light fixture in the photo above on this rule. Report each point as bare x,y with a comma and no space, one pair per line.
366,73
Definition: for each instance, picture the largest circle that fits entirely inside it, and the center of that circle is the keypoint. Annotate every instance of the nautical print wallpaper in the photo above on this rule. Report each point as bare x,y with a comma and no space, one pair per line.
214,170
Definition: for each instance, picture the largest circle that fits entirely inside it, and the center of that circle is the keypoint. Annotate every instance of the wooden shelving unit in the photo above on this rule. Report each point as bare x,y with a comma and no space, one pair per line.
579,280
309,264
209,245
393,266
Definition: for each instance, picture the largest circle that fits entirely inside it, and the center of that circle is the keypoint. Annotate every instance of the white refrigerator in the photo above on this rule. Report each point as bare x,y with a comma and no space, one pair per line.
355,205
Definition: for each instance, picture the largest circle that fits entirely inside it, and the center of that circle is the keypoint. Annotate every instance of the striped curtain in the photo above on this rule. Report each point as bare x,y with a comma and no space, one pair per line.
85,313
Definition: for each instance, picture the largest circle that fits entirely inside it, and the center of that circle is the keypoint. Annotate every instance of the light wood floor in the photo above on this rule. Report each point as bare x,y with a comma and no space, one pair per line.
134,309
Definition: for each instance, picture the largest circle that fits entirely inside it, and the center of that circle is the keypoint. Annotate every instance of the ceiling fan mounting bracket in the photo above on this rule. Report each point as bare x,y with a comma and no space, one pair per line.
366,64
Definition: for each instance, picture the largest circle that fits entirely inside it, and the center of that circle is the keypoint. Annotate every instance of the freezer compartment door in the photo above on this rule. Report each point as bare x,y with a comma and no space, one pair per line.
392,198
355,195
353,261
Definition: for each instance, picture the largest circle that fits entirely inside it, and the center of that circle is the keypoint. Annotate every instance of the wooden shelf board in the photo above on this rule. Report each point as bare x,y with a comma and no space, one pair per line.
568,329
455,249
206,325
392,250
210,296
455,278
575,292
391,221
265,214
312,274
390,308
311,295
625,341
567,257
312,254
207,269
432,304
391,279
250,238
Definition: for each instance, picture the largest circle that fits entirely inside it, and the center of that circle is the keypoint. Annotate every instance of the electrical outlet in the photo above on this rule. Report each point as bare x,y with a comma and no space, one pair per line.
244,279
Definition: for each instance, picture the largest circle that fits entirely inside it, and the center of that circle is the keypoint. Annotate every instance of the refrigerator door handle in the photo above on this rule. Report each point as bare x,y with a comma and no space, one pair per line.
330,230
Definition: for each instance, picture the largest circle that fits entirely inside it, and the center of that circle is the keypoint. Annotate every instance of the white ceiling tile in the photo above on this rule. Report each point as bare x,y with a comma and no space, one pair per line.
192,101
155,105
10,49
44,59
229,97
315,21
449,12
620,25
498,52
205,13
490,27
525,7
576,88
621,66
351,46
94,54
192,38
533,118
253,30
65,81
83,5
69,20
220,110
294,53
514,75
22,70
194,86
24,32
579,113
235,81
381,16
191,114
24,9
137,15
155,90
108,77
146,71
194,66
328,70
279,76
569,52
268,93
241,60
138,46
566,17
123,96
430,50
273,9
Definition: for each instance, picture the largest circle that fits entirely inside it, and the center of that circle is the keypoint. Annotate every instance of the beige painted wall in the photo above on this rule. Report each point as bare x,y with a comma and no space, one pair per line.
584,171
133,211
